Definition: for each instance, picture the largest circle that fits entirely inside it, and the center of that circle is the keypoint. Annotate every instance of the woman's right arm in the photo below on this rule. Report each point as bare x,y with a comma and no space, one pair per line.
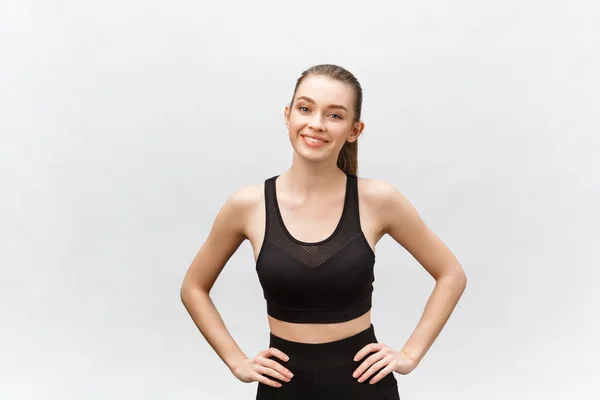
226,235
224,238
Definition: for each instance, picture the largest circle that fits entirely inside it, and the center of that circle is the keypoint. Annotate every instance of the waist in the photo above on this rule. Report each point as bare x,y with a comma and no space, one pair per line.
318,332
326,354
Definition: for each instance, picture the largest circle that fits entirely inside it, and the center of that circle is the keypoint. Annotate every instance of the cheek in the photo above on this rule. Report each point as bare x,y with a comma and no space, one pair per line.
293,130
339,133
296,122
294,127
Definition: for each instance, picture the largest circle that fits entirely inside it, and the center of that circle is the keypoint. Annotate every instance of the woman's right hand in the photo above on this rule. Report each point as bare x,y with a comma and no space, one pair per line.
259,368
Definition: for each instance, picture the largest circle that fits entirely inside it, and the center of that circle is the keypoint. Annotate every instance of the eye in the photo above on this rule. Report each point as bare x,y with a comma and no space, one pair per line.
303,108
337,116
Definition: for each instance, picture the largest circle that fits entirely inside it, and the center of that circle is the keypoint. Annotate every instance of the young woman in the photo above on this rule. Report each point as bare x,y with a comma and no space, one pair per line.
313,230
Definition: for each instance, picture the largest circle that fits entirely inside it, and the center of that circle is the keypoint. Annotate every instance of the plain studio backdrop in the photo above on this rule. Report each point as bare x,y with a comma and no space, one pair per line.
125,125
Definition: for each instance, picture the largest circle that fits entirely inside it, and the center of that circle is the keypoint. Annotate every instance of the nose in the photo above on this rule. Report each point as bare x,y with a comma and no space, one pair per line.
316,123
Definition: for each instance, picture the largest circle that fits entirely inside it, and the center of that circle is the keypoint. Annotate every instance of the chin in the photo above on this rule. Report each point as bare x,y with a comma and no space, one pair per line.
310,154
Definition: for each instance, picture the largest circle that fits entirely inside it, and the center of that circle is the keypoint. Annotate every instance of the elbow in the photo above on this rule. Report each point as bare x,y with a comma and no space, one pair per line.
183,293
188,291
459,277
460,281
456,279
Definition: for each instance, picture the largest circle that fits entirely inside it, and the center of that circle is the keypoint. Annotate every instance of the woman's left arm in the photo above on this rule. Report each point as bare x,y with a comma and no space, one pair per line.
399,219
403,223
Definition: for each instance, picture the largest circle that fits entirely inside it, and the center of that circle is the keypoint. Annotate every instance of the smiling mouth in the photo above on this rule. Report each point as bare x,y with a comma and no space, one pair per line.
313,139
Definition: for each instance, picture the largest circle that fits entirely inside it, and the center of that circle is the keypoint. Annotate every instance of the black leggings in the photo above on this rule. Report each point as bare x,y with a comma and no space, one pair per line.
323,371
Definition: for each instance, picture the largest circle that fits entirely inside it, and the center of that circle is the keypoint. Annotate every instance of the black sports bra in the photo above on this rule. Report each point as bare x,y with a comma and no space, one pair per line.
322,282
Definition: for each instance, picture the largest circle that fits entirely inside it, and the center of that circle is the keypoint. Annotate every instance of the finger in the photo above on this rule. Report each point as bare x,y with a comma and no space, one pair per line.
387,370
369,366
274,365
367,363
278,353
271,372
370,348
263,379
374,368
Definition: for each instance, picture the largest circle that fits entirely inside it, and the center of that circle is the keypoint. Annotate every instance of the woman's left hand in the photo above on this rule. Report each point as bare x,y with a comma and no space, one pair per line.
384,360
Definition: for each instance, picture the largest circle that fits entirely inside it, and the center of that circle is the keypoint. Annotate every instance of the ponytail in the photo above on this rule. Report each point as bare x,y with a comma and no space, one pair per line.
348,159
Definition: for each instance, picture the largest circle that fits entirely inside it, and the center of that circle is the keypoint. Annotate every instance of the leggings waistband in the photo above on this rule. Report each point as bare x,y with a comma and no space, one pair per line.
324,355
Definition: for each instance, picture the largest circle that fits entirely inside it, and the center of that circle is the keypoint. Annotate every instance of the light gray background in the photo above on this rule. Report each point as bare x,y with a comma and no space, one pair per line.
124,125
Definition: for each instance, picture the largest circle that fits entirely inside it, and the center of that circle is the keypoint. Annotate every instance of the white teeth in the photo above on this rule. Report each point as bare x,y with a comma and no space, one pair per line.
313,140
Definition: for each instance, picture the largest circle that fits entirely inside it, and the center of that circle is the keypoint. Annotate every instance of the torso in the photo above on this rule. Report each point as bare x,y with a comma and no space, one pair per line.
312,221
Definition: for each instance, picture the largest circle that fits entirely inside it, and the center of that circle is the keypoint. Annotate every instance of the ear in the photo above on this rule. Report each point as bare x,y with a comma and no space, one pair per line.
357,130
286,116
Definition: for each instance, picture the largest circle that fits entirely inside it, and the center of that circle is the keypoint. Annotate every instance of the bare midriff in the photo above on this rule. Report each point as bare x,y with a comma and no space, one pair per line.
319,333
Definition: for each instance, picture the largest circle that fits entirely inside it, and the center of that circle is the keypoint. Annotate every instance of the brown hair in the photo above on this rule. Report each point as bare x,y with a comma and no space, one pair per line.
348,158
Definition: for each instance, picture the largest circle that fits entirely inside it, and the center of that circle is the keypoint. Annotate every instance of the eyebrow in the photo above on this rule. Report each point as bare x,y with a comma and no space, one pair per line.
338,106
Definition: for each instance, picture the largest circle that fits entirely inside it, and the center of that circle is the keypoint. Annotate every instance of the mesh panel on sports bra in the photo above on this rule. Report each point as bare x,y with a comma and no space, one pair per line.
313,254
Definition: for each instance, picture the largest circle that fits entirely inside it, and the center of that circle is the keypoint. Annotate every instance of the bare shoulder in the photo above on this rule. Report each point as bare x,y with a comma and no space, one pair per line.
242,203
247,197
380,193
376,190
388,202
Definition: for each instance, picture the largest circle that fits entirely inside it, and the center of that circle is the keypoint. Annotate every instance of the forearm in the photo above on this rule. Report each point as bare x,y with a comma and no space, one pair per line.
438,309
208,320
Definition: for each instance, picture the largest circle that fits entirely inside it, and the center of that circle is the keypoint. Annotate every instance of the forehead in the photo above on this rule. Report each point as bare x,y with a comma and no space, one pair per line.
325,91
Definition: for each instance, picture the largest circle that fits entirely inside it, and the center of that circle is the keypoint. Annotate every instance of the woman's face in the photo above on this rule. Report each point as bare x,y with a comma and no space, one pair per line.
321,118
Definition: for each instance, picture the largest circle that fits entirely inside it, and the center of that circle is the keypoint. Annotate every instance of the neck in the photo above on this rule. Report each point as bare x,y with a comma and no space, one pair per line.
304,177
